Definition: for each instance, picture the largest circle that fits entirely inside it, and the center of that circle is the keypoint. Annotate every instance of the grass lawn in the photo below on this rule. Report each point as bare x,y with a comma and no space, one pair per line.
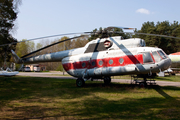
48,98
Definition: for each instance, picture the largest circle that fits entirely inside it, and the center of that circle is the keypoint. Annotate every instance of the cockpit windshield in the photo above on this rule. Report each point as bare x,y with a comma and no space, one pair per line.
159,55
147,57
156,56
162,54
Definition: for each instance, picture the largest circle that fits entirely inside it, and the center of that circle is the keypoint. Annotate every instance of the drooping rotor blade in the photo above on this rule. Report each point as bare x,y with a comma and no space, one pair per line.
126,28
45,37
149,34
157,35
51,45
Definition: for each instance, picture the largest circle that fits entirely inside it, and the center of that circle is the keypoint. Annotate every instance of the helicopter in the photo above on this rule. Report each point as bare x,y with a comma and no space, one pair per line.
104,57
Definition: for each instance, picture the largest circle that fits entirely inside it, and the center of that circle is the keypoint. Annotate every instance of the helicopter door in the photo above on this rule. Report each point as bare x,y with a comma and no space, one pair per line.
100,64
105,58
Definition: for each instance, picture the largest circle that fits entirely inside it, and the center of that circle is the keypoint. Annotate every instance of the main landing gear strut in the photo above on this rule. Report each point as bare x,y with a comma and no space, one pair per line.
80,82
146,80
107,80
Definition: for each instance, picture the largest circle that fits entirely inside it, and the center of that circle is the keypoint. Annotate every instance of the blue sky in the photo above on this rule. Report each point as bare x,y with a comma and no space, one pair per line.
38,18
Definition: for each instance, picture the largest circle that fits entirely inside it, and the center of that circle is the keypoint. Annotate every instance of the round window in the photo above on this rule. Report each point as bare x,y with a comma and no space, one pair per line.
121,60
100,62
110,61
83,64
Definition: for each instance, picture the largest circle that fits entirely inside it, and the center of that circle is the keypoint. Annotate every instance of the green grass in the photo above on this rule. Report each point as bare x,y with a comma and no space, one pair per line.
48,98
172,78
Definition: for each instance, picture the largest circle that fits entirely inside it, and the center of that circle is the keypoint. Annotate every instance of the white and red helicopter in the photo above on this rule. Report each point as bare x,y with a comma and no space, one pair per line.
105,57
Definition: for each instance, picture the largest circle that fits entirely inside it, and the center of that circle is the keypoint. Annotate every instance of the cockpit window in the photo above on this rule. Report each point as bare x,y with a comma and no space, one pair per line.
147,58
95,47
162,54
156,56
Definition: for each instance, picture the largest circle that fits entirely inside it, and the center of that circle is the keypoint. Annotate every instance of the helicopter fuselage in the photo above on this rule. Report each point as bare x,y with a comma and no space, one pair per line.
107,57
138,60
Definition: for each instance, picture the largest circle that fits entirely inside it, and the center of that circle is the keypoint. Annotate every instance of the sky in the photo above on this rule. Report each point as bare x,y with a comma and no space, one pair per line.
38,18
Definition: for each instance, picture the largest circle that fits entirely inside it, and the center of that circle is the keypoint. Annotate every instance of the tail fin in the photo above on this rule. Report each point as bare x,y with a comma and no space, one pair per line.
16,58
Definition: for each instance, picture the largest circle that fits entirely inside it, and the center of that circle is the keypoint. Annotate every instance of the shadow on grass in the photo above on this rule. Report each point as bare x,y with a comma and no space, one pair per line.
100,108
129,108
33,90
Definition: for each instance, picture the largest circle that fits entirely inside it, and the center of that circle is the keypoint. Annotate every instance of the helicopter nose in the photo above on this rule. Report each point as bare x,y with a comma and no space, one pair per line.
167,63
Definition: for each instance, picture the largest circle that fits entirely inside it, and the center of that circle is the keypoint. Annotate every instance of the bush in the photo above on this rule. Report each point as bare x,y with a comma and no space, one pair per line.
60,68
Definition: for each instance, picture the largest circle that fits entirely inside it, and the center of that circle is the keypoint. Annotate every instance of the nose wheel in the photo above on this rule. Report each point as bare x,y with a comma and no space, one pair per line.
80,82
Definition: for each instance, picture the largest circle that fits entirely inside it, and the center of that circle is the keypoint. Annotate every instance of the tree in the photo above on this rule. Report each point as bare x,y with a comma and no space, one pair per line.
59,47
115,30
24,48
31,46
65,45
80,42
149,27
169,45
8,14
38,46
176,33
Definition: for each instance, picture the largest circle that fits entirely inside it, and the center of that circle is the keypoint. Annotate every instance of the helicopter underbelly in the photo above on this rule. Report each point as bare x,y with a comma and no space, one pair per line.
114,71
105,71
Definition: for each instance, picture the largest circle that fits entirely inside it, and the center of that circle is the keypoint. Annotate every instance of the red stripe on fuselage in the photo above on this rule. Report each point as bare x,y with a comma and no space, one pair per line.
107,62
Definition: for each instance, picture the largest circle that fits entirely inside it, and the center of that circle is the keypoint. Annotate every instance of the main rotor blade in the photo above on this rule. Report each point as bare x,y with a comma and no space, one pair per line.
149,34
157,35
126,28
51,45
111,27
44,37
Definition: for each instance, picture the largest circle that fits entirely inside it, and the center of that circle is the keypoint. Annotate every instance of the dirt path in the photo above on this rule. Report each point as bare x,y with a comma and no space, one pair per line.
56,75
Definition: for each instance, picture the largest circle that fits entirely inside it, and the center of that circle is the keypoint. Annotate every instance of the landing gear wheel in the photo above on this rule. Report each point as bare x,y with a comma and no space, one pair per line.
107,80
80,82
142,85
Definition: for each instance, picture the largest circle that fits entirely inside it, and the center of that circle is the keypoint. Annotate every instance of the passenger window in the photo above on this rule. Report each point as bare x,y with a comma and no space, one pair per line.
156,56
93,63
110,61
121,60
100,62
147,58
83,64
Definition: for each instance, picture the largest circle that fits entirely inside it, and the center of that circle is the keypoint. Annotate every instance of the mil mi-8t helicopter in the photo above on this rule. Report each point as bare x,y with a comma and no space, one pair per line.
105,57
